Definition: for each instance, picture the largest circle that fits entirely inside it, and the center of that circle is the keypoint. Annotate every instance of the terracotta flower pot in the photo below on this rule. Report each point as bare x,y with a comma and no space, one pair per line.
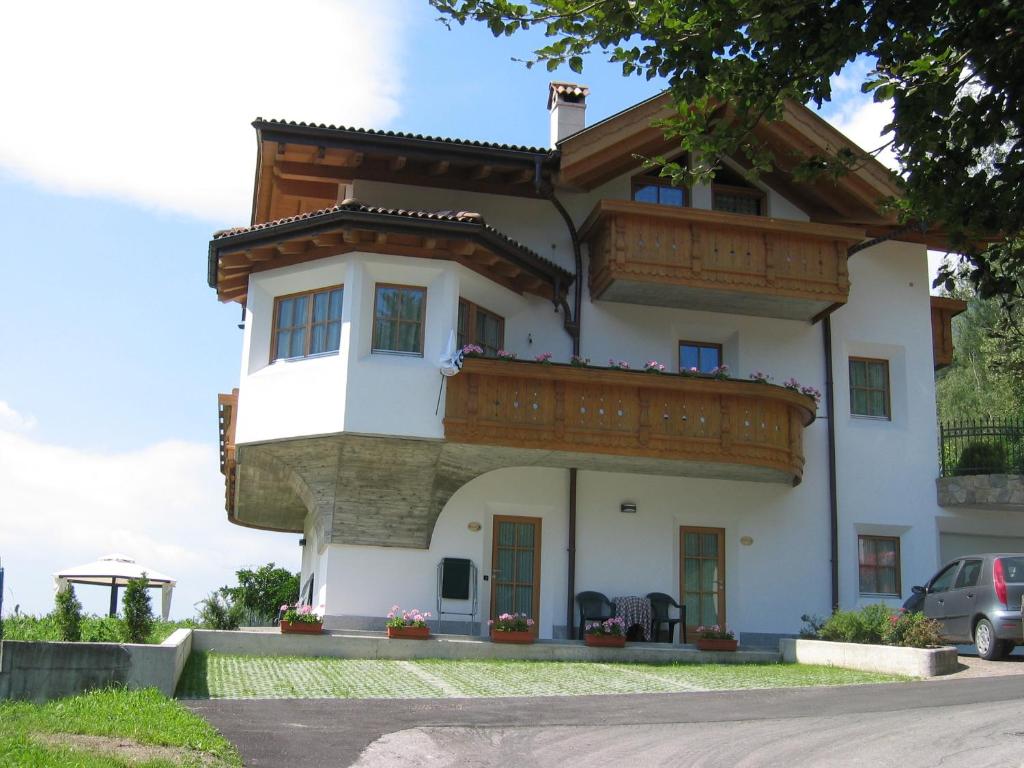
605,641
520,638
300,628
708,644
408,633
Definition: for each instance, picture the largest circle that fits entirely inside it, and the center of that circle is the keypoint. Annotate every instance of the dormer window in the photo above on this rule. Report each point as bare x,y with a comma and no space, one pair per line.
649,187
731,193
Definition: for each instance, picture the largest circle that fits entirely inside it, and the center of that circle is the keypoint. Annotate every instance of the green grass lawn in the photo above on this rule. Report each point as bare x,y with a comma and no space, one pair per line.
213,675
162,733
95,629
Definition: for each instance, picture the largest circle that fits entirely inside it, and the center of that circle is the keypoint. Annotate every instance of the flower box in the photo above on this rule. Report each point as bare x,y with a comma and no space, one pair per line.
408,633
301,627
519,638
715,644
605,641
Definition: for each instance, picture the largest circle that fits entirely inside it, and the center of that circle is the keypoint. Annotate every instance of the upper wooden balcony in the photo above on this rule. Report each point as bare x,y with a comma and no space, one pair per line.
227,416
628,421
944,309
721,262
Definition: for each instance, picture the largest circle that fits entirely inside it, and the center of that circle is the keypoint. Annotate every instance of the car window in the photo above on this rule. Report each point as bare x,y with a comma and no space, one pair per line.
944,580
969,574
1013,569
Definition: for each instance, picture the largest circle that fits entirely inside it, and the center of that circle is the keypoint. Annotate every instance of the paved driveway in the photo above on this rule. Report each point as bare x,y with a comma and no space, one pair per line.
977,722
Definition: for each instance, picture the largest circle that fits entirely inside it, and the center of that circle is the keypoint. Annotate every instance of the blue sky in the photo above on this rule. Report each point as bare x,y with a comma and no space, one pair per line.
127,151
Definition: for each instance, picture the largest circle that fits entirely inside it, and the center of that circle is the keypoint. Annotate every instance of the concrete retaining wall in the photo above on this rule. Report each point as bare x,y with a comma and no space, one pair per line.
456,647
888,659
39,671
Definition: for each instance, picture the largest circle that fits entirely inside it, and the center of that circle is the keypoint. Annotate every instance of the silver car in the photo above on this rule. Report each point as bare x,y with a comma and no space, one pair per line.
976,599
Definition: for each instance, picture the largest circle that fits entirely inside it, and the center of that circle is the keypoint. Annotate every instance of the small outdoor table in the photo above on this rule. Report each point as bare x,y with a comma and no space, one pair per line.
633,611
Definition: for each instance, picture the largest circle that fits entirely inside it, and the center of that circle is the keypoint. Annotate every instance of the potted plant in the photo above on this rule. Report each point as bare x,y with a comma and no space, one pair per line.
715,638
408,625
610,633
512,628
300,620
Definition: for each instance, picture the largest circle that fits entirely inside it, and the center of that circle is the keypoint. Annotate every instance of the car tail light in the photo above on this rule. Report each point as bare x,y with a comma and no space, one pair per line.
999,580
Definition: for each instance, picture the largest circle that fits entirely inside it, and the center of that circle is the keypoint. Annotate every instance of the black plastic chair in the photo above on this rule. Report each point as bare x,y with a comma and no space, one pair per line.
660,603
593,607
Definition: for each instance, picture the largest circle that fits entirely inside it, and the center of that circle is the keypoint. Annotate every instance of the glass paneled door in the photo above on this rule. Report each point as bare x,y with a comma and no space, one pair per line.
702,575
515,567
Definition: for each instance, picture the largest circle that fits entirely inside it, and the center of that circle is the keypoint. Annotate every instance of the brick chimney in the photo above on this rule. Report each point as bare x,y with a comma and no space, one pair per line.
567,103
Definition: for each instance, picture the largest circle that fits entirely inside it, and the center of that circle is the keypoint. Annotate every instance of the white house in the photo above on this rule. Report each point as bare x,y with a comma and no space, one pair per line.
747,501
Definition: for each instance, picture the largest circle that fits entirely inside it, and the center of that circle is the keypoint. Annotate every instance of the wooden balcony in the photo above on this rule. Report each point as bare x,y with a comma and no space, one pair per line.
944,309
559,415
227,412
720,262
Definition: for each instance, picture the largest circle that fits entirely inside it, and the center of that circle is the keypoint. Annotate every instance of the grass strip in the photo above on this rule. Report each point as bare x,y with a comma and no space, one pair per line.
146,717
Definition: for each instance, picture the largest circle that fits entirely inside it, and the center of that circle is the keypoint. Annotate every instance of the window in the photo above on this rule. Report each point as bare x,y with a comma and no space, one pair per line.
732,193
398,313
968,574
649,187
869,387
879,558
481,327
307,323
699,355
944,580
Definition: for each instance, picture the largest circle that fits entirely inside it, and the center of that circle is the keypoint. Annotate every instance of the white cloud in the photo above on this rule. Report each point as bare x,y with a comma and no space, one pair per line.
162,505
862,121
152,103
13,421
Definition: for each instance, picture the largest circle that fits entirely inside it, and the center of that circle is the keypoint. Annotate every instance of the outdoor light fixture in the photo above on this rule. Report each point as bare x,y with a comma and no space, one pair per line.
302,541
628,507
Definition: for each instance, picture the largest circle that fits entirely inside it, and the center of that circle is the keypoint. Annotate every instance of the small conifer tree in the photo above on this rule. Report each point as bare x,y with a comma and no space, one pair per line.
68,613
138,613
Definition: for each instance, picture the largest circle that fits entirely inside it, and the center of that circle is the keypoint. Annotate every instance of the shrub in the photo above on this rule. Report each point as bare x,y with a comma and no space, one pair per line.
68,614
912,630
863,626
980,458
262,591
138,613
811,629
217,612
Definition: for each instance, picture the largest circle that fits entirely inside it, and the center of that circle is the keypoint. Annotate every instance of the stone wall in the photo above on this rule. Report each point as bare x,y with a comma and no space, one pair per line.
1004,492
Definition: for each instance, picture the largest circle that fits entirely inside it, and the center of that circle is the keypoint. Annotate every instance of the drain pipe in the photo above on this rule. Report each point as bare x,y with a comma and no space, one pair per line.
571,322
833,497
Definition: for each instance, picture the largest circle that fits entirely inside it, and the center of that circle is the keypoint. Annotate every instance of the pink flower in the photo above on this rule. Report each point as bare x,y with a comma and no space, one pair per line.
543,357
284,607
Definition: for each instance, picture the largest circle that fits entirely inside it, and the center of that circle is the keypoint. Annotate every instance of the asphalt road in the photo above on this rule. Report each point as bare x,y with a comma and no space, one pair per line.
977,722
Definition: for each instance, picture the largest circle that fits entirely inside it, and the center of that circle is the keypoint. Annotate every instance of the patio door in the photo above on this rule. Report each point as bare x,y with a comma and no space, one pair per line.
702,575
515,567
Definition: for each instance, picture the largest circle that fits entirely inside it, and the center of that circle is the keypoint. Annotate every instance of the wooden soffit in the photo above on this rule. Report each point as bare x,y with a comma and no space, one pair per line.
461,237
302,168
610,148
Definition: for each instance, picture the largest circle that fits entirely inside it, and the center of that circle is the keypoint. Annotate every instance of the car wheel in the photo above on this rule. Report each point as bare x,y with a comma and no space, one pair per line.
985,641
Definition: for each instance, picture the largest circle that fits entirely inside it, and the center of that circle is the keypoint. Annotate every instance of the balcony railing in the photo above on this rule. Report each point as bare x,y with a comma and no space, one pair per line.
560,415
981,447
227,415
721,262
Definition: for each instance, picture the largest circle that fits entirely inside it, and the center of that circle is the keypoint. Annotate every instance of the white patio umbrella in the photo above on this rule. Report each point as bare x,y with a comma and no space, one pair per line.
116,571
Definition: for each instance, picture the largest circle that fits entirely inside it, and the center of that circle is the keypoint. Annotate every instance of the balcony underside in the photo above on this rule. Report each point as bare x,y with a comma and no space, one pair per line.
389,491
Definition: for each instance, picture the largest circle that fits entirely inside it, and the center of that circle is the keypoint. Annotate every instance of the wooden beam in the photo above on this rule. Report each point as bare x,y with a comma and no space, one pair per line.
261,254
521,177
481,172
292,247
315,189
430,243
350,236
380,238
462,247
327,239
397,163
233,260
439,168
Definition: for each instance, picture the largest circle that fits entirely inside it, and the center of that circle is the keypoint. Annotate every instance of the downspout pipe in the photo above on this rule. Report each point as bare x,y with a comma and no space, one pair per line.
571,322
833,496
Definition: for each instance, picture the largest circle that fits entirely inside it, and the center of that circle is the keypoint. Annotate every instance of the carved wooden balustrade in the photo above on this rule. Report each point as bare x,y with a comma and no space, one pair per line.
227,416
660,423
698,259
